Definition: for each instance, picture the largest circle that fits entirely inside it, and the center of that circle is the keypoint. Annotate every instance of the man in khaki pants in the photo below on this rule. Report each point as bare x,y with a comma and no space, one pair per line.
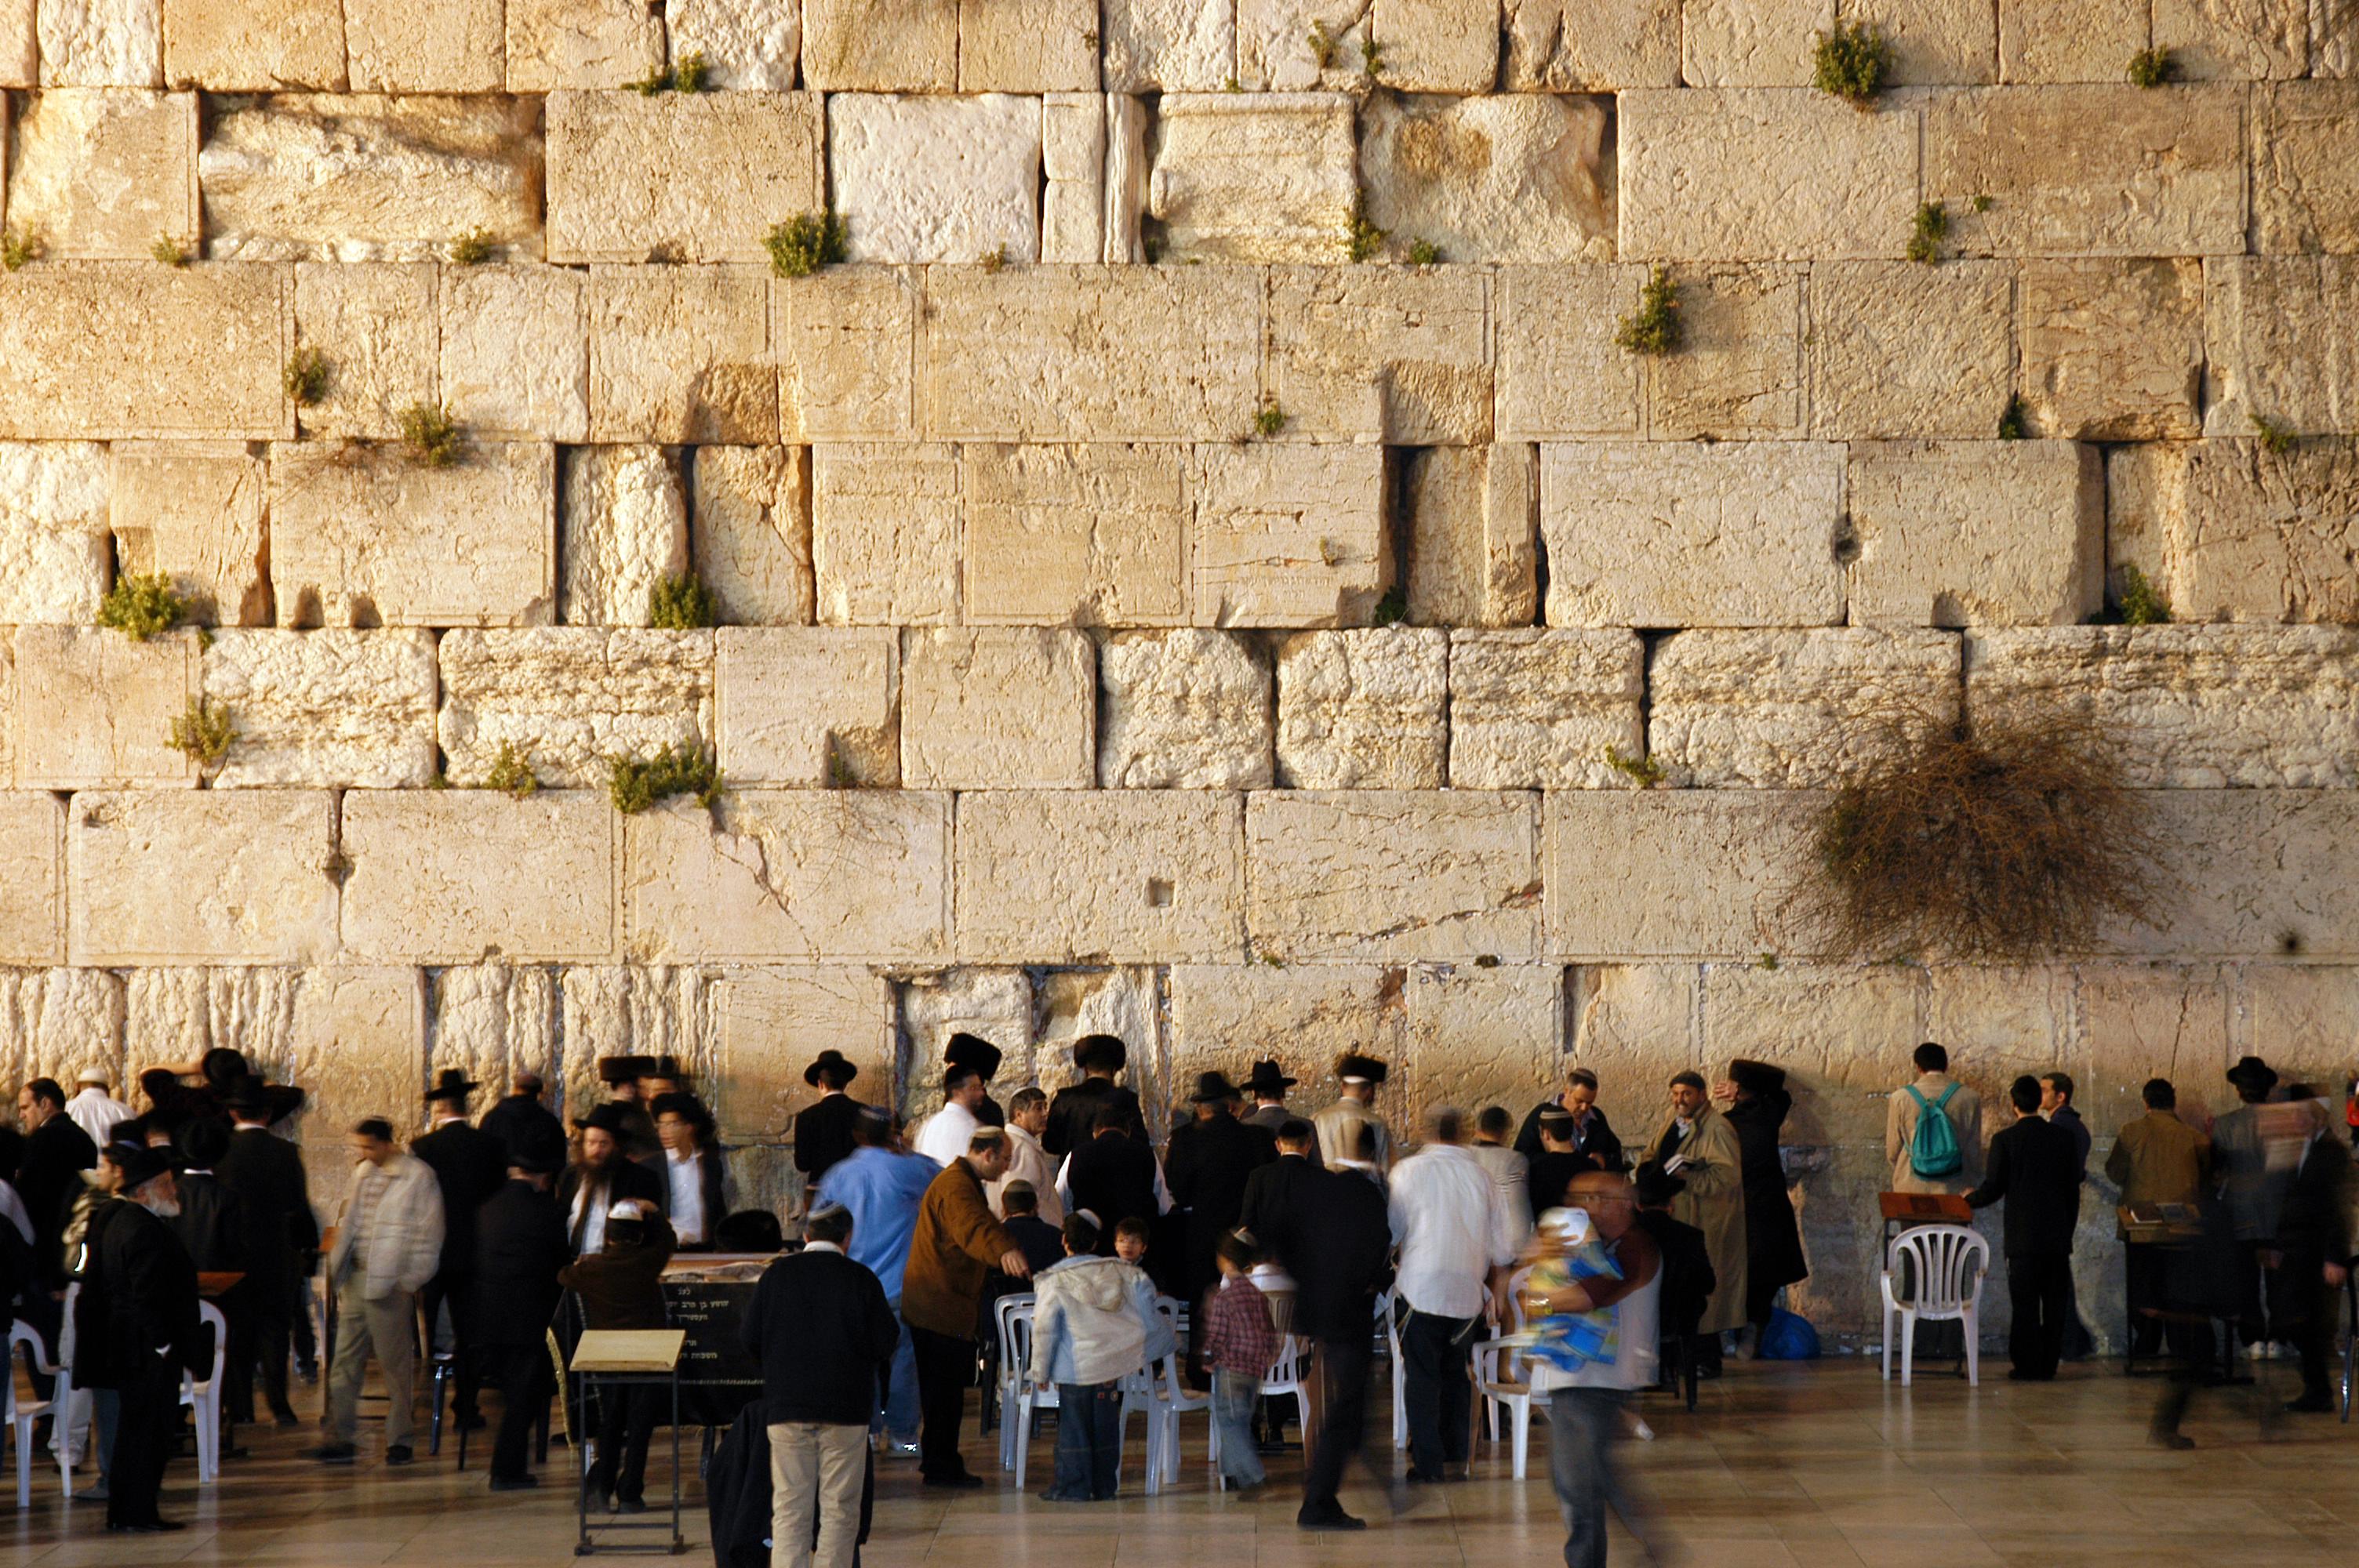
388,1244
820,1326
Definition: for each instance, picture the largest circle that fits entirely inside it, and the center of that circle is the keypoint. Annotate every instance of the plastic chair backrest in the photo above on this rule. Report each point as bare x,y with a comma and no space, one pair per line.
1016,1333
1515,1312
1946,1262
210,1313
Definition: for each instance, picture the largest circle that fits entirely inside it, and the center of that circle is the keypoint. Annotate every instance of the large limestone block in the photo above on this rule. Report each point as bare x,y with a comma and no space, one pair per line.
2253,874
1438,46
846,340
53,524
20,44
1380,353
1738,371
451,46
362,536
374,326
201,876
1054,353
1474,536
1185,709
2113,170
818,707
1074,134
1896,349
1288,535
2229,531
2161,1021
1279,44
1628,1022
1479,1037
1750,43
1126,1002
748,45
571,699
325,710
2309,1016
359,1049
102,43
2070,40
996,1003
102,171
1074,536
192,510
2306,166
637,1010
885,534
1845,1028
368,178
1522,177
2196,707
1772,710
1693,535
468,876
679,176
1027,46
855,876
175,1014
131,349
254,46
1393,874
681,354
1560,373
1363,709
622,529
32,877
1537,710
1580,45
751,506
2112,350
1125,876
1934,42
554,44
493,1021
775,1021
1252,177
1674,873
1005,707
1764,174
2239,40
2276,345
54,1023
514,352
880,46
7,708
1173,45
1975,533
1301,1016
94,710
935,179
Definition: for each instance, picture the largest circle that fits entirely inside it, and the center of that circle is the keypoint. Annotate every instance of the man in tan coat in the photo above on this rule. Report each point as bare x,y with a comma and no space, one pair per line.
1339,1125
954,1251
1699,1146
1934,1090
2156,1159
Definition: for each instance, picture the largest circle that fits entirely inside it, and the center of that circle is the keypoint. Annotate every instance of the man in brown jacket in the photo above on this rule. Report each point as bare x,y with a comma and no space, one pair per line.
2156,1159
956,1246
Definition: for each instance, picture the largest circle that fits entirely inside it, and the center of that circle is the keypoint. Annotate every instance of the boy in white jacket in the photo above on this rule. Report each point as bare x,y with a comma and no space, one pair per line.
1094,1325
388,1244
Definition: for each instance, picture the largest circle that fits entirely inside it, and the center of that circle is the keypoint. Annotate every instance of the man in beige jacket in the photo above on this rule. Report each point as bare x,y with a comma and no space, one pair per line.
388,1244
1934,1090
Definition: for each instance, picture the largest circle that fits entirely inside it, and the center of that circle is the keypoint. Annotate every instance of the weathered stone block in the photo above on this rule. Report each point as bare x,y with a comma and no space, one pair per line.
192,510
53,522
1127,876
1770,709
748,45
1474,536
1012,708
2306,166
996,1003
2308,1015
366,177
131,349
1506,177
753,532
1847,1028
54,1023
359,1048
1381,354
1393,874
1976,533
1027,46
2274,344
846,339
366,537
1075,536
884,531
570,699
1288,535
201,876
1302,1017
1896,349
1580,45
1185,710
1934,42
1739,369
254,46
325,710
1479,1037
2113,170
1295,46
2229,531
857,876
1628,1022
1174,46
1254,177
1750,43
1438,46
1051,353
451,46
467,876
1684,535
514,352
32,877
94,710
374,325
20,44
1613,857
2140,1020
1763,175
1363,709
774,1022
1537,710
555,44
681,354
175,1014
622,529
935,179
2112,350
1073,133
102,43
2070,40
101,172
813,705
633,1009
2254,874
880,46
2237,40
2199,707
1560,373
494,1020
679,176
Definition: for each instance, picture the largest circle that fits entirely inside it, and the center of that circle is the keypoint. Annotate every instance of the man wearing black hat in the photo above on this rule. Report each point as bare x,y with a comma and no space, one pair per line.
1114,1176
469,1166
1280,1197
267,1173
1267,1084
974,1051
509,1119
1341,1262
695,1176
600,1179
632,1124
1205,1168
1339,1125
823,1130
2254,1191
213,1229
1755,1103
1073,1114
519,1248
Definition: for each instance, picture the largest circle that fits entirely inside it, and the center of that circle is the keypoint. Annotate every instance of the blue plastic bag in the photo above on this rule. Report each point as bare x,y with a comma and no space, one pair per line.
1789,1336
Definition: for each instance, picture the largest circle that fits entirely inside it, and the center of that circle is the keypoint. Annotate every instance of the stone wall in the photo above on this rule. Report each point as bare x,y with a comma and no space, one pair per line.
1059,538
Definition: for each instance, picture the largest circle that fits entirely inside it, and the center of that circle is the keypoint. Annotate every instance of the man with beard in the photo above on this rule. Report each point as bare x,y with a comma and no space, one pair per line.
520,1245
1698,1145
469,1166
602,1178
1206,1168
135,1330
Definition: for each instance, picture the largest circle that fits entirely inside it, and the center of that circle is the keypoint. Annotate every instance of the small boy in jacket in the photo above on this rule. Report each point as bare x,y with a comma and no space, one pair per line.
1240,1343
1094,1324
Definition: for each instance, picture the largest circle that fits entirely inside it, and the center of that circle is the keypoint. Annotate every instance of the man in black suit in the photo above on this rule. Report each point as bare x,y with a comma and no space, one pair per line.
48,1173
1112,1177
509,1119
1343,1248
1278,1196
1205,1168
1590,1135
2313,1247
602,1178
823,1130
469,1165
213,1229
520,1245
265,1172
974,1051
2035,1165
1073,1114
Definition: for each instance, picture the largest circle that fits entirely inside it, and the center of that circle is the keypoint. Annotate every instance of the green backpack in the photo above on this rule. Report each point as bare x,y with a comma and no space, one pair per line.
1933,1152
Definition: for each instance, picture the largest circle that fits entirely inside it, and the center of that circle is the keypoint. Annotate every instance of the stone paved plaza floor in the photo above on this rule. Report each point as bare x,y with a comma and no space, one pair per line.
1819,1465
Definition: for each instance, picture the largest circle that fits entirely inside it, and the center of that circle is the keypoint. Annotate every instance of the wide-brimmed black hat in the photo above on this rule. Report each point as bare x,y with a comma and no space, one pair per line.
831,1061
608,1118
1212,1088
1655,1186
538,1149
1268,1078
138,1163
1757,1078
451,1084
1101,1052
248,1093
1350,1065
623,1069
2253,1075
972,1051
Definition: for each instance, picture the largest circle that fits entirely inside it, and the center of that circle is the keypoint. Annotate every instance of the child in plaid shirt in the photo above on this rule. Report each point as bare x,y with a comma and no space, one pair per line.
1239,1345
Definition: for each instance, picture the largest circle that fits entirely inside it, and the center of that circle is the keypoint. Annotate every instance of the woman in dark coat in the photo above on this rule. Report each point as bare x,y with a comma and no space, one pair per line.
1773,1242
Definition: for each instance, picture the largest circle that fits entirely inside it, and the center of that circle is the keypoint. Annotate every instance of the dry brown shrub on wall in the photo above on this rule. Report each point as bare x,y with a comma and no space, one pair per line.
2007,839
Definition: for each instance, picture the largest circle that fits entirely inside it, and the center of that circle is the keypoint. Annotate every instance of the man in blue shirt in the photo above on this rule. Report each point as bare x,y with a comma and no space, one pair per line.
882,1187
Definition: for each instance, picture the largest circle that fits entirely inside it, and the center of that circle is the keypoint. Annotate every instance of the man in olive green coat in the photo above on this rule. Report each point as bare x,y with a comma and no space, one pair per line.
1698,1145
2156,1159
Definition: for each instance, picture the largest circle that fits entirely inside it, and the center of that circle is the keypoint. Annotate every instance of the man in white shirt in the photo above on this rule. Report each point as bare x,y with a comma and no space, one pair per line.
694,1177
1028,1119
946,1134
93,1110
1453,1235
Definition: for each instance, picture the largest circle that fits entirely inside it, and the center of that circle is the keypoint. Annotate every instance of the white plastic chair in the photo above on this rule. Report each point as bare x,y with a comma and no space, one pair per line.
1399,1369
1500,1379
1945,1268
1170,1399
1015,1357
1290,1374
23,1415
205,1397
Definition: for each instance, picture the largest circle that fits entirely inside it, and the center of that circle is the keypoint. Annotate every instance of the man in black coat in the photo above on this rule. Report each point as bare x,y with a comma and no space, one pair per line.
1206,1168
2313,1249
1756,1104
1687,1279
469,1166
136,1329
48,1173
265,1172
2035,1165
213,1229
1551,1172
1073,1114
509,1119
603,1177
1343,1240
974,1051
621,1286
1112,1177
1590,1135
520,1245
1278,1196
823,1130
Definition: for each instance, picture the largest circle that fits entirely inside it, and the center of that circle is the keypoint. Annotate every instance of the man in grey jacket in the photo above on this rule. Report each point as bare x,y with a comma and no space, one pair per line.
388,1244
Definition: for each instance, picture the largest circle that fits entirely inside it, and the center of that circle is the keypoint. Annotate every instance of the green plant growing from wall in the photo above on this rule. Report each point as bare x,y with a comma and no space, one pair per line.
1654,327
511,773
2151,68
841,774
994,259
694,73
1323,46
1931,228
141,607
18,246
169,250
1392,607
1372,54
1363,239
2014,420
1643,771
1269,420
306,376
429,432
1981,201
203,733
682,604
474,248
1850,60
804,243
2275,439
1424,253
636,784
2140,603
